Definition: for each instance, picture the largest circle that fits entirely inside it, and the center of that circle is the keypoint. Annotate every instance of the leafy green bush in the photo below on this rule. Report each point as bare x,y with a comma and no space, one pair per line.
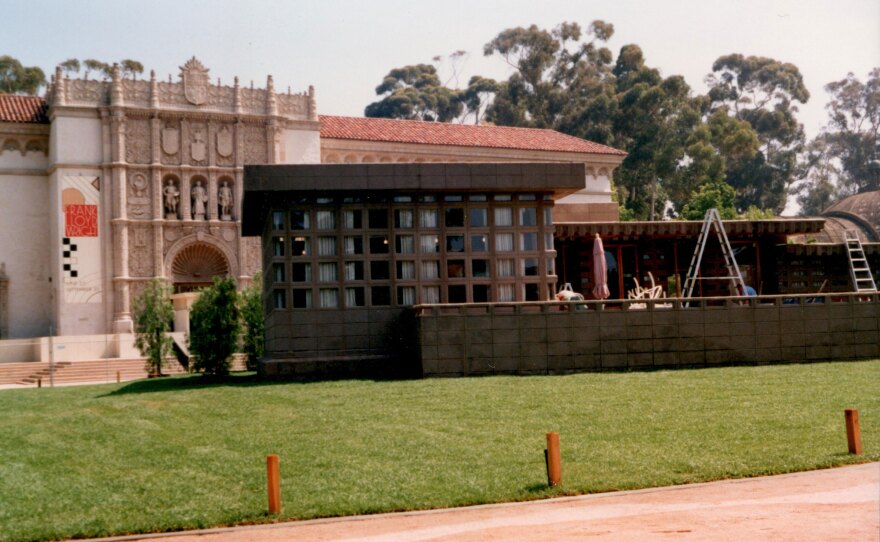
254,335
214,327
719,195
153,315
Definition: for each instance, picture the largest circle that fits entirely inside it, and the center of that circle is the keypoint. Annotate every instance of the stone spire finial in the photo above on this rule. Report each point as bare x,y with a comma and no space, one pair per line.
236,96
154,90
58,87
313,108
271,102
116,93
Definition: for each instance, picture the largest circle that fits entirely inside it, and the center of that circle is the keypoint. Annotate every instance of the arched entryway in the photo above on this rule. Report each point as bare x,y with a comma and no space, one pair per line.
195,267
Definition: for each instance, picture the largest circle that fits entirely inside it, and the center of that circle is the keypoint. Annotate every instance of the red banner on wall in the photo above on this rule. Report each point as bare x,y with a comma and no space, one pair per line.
81,221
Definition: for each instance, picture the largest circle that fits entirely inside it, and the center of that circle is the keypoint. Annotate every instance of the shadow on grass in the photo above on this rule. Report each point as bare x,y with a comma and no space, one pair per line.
194,382
237,380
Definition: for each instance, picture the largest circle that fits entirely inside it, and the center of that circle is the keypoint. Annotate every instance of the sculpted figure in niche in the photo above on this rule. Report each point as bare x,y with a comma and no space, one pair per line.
172,197
225,197
199,199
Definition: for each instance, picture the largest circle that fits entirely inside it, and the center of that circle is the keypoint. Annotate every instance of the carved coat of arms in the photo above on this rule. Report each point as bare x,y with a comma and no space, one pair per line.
198,145
170,140
195,81
224,142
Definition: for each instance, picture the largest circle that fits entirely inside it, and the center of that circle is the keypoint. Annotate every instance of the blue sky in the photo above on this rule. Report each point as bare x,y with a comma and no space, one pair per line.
344,47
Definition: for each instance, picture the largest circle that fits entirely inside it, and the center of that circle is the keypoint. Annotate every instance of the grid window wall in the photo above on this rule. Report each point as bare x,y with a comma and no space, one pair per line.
372,250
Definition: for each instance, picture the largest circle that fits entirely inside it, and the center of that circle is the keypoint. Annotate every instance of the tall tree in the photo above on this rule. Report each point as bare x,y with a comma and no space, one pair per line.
556,73
153,315
762,92
415,93
18,79
215,327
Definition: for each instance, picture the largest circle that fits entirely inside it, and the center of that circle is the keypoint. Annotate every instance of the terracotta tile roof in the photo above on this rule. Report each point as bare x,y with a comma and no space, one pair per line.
30,109
464,135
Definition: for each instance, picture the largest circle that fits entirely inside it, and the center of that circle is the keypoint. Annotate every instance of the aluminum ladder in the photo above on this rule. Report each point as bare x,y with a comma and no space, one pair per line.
711,220
859,272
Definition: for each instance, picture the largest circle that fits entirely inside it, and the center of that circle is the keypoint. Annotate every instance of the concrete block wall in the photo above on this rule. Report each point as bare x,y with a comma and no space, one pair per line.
542,338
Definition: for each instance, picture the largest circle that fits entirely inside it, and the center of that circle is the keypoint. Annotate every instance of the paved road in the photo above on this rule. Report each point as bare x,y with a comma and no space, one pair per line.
835,504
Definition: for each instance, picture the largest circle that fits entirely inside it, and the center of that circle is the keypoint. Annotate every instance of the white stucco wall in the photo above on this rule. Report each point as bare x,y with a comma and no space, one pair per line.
24,236
300,147
76,140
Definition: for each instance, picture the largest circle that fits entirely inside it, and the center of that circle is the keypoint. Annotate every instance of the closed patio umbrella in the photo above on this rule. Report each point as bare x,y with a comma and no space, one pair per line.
600,273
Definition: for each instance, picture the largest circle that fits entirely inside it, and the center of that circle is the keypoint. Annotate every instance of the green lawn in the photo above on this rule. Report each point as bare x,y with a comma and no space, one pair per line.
172,454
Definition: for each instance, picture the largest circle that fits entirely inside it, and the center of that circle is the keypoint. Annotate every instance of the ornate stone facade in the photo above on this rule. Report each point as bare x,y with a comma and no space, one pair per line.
173,172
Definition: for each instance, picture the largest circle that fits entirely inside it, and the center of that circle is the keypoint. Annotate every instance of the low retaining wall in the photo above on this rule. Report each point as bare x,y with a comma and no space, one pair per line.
539,338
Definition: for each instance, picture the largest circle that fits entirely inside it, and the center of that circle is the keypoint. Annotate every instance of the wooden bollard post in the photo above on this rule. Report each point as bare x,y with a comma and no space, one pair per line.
39,382
853,434
118,377
274,475
554,460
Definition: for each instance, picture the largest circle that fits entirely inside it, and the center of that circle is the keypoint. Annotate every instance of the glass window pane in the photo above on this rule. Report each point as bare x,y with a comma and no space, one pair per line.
379,271
455,269
533,292
429,244
354,297
431,294
278,246
327,272
428,218
302,299
479,243
506,292
326,220
454,217
278,272
528,216
300,246
455,243
329,298
503,216
299,220
406,270
430,270
378,244
301,272
277,220
404,244
529,241
479,268
352,219
378,218
482,293
406,295
504,267
380,296
279,299
353,245
503,242
479,217
457,293
548,216
354,270
403,218
326,246
530,267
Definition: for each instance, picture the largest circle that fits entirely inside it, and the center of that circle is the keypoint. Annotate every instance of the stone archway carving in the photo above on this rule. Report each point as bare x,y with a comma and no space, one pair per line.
197,258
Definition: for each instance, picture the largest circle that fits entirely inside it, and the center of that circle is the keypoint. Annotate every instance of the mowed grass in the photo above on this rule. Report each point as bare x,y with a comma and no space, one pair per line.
171,454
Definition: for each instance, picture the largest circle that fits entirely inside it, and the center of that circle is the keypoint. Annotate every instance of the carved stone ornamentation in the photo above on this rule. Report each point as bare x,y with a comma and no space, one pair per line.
139,196
224,197
137,141
172,234
170,139
140,260
254,144
195,81
224,142
198,147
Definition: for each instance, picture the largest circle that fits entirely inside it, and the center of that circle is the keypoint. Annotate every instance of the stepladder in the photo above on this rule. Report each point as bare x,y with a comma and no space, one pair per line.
859,271
732,273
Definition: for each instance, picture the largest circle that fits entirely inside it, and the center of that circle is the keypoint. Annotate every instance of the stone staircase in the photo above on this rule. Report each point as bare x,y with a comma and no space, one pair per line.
94,371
